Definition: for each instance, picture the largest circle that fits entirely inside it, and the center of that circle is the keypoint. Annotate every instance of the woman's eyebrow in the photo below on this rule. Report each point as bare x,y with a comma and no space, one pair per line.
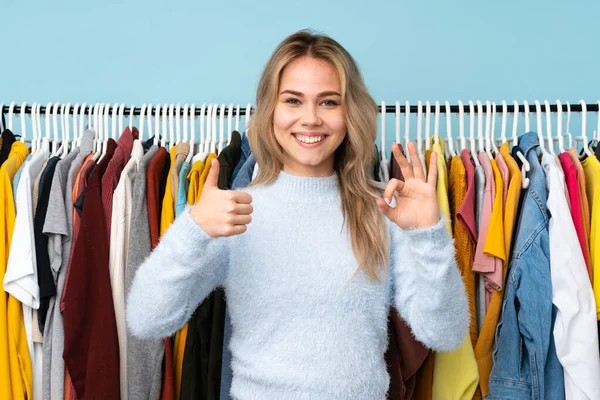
322,94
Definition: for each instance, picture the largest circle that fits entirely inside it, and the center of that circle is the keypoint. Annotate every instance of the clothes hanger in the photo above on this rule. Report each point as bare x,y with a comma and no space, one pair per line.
481,147
382,148
525,166
186,110
449,129
213,143
32,115
461,126
237,118
549,127
538,116
559,134
436,123
81,124
172,139
472,133
165,117
42,142
247,117
66,129
142,120
98,136
47,122
75,126
229,118
397,115
221,143
178,124
202,152
427,127
1,113
419,129
488,129
131,117
493,132
157,125
121,117
55,142
149,121
569,124
23,126
102,129
406,127
188,159
527,126
11,110
586,149
504,116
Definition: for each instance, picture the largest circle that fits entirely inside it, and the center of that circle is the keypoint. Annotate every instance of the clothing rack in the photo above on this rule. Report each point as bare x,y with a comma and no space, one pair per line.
389,109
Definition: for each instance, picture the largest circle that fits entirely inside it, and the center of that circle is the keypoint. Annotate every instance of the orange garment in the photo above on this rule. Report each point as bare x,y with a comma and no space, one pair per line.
457,187
585,207
485,343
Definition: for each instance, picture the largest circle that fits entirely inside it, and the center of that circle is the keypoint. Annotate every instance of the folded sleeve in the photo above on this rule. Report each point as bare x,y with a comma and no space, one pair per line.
428,290
185,267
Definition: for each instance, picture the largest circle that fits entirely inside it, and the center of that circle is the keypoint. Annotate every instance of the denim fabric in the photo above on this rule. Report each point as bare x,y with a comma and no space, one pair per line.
525,361
242,176
246,152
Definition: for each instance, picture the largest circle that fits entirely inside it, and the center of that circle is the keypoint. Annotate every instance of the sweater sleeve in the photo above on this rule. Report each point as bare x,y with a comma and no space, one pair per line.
428,289
185,267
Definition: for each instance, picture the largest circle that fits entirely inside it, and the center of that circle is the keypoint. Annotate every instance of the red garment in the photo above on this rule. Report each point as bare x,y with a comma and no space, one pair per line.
91,350
573,187
405,354
110,179
154,175
466,211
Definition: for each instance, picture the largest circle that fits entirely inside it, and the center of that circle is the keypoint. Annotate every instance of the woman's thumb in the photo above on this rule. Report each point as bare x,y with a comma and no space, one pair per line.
213,174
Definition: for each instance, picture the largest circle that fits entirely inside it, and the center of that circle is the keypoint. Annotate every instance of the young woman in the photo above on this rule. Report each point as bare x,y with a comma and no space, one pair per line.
312,254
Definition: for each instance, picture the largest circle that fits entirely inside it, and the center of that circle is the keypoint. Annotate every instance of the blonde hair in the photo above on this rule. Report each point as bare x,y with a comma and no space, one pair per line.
358,190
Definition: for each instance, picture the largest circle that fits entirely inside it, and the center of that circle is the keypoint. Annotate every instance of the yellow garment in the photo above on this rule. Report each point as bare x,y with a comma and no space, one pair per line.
455,374
194,178
485,343
194,191
462,243
204,174
591,167
16,375
167,215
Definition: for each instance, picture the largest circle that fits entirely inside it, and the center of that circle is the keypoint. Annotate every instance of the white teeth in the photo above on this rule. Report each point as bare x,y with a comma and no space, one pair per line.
309,139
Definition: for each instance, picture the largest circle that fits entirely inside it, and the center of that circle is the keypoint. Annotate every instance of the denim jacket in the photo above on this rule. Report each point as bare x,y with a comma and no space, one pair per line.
525,361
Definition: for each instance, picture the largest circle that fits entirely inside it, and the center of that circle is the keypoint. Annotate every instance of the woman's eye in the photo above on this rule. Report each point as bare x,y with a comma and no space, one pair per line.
330,102
292,101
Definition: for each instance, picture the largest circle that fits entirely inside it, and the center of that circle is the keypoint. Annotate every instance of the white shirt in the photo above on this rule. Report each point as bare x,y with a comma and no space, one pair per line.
384,170
119,243
575,329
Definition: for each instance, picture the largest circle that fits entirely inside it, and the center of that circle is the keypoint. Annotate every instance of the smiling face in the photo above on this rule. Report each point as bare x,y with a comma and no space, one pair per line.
309,120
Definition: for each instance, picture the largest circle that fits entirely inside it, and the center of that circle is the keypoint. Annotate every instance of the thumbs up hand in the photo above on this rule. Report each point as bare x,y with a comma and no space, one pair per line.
221,212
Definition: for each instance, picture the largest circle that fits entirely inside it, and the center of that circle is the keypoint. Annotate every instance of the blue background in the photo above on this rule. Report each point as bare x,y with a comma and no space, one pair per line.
136,52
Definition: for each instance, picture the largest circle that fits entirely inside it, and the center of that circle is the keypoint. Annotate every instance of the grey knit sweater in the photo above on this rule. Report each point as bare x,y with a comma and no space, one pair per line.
302,328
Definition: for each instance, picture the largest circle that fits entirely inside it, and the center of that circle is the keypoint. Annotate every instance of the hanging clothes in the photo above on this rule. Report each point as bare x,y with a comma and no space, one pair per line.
119,242
527,309
16,380
485,343
8,138
575,329
449,381
585,208
158,168
591,167
144,357
91,343
59,227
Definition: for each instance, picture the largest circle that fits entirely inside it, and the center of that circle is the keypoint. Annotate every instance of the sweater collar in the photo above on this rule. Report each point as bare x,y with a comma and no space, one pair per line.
307,189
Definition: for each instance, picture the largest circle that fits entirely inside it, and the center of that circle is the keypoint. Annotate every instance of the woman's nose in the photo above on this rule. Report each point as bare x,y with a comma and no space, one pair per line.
310,116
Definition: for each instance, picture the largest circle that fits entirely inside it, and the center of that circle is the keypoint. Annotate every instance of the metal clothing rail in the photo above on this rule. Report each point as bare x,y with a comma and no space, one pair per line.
389,109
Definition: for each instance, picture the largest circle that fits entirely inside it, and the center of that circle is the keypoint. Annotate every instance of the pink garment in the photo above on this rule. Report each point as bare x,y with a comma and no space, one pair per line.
489,267
503,168
466,212
573,187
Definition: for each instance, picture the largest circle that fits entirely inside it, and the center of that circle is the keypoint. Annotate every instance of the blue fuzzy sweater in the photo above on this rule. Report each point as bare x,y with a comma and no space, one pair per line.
302,328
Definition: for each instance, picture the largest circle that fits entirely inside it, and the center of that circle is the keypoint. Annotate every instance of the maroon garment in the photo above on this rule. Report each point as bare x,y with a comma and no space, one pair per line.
110,179
405,354
91,350
466,212
154,176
